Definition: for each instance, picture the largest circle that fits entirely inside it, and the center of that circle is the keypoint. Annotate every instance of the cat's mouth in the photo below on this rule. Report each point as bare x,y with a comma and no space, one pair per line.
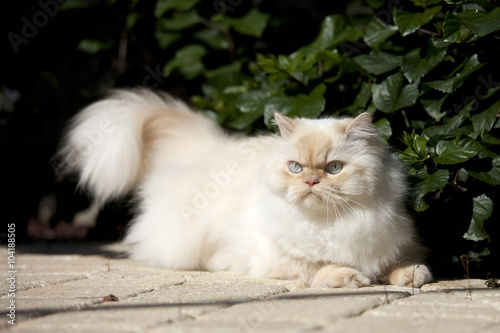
311,199
310,194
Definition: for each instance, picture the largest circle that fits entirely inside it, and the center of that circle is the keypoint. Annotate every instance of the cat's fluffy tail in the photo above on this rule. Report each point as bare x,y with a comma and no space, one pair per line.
109,142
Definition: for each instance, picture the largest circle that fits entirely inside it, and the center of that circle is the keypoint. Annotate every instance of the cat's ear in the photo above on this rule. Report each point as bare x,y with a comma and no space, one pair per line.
362,128
286,125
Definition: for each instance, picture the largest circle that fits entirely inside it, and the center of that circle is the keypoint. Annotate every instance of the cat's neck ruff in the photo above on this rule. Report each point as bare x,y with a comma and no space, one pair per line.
348,237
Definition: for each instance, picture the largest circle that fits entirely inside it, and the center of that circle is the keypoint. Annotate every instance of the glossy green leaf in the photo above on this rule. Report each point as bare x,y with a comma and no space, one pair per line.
383,127
132,18
179,21
334,31
377,32
455,81
267,64
165,38
414,67
425,3
212,38
492,176
310,106
494,86
451,29
449,125
439,42
188,61
234,67
378,62
392,95
261,103
331,28
429,183
245,120
252,101
408,22
433,107
252,24
92,46
469,25
456,151
279,67
162,6
361,99
252,105
484,120
481,211
349,34
479,23
488,138
417,150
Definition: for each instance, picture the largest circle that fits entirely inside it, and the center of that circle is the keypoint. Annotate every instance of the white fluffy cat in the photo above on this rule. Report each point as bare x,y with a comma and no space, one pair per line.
323,202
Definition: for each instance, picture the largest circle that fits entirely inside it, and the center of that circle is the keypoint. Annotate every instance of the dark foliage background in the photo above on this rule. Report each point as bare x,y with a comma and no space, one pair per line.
425,69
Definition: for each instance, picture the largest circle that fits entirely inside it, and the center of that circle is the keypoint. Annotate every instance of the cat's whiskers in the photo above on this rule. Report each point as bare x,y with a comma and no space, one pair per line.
334,205
345,197
324,203
343,204
357,203
327,200
346,203
327,217
339,201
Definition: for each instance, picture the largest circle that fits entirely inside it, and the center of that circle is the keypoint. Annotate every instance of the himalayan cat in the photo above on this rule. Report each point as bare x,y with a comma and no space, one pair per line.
323,202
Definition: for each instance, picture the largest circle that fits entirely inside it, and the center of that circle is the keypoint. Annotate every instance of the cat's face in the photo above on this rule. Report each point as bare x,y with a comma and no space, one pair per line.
332,163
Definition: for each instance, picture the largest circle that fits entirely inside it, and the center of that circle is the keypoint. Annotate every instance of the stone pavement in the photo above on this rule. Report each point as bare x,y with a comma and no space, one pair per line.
65,287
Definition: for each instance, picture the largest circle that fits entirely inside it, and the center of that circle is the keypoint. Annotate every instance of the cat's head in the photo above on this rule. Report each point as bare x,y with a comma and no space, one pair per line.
334,162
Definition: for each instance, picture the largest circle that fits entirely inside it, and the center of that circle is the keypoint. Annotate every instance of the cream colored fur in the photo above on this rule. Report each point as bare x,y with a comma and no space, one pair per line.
216,202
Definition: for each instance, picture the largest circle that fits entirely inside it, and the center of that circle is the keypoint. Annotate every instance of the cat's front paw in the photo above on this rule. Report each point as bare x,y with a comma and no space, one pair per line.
332,276
410,276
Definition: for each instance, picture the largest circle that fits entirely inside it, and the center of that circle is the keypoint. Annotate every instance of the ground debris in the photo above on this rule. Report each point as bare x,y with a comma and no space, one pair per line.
110,298
492,282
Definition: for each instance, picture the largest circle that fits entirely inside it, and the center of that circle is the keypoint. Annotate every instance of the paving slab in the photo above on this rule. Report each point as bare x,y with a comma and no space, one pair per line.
448,306
63,287
184,296
44,264
304,310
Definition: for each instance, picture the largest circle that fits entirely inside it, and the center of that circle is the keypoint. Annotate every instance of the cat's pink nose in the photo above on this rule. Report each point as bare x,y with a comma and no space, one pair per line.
311,181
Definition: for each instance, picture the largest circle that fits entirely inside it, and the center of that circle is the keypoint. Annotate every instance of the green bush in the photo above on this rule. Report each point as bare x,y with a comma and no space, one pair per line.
424,69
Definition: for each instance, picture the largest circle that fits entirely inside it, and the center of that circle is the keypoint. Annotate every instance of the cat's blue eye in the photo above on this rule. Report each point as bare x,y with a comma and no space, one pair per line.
334,167
294,167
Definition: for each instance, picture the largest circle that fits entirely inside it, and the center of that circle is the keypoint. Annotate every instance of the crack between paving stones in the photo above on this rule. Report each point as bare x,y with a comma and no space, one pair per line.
155,289
61,282
222,305
384,302
48,284
41,312
91,306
